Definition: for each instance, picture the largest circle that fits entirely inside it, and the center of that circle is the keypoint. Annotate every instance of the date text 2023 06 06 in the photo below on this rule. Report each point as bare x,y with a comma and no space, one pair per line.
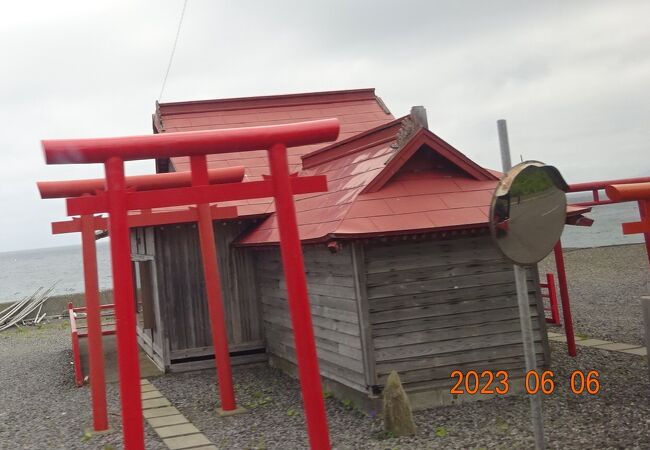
489,382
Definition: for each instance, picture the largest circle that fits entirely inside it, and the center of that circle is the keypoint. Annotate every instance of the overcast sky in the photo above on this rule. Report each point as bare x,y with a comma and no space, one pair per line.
571,78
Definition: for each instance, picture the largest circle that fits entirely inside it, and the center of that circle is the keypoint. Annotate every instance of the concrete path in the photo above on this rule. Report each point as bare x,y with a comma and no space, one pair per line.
175,430
631,349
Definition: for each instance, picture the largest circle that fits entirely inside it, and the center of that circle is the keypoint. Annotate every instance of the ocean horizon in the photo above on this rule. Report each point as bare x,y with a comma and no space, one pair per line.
22,272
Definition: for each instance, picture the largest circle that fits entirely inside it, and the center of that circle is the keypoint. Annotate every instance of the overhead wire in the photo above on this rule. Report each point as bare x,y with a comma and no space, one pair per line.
171,56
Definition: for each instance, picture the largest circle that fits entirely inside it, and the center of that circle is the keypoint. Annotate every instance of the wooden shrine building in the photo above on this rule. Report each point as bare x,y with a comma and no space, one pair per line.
402,274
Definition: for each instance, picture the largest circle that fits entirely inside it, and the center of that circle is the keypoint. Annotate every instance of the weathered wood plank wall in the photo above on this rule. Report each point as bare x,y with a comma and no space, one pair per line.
332,295
151,331
437,306
182,293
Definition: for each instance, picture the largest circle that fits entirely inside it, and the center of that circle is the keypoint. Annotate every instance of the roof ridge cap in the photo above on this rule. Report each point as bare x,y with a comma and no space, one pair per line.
352,138
270,97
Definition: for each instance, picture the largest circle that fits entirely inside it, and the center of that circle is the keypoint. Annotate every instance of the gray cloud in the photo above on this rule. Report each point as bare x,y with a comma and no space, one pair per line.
571,77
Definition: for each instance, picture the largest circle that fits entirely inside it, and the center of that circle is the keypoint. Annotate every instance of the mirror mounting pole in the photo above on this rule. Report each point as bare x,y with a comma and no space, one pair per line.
524,309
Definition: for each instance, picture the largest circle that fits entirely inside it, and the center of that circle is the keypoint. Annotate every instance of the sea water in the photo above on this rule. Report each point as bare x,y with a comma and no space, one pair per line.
606,229
22,272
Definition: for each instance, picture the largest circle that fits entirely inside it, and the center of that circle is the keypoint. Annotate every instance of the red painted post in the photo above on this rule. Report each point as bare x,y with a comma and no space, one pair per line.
596,195
125,320
552,298
643,214
93,315
212,278
294,272
74,335
564,296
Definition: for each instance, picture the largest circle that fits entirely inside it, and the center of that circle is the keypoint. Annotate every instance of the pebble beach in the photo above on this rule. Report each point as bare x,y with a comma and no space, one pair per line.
42,408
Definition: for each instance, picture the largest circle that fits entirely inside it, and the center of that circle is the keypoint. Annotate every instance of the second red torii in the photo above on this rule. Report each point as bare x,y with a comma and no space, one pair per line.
88,224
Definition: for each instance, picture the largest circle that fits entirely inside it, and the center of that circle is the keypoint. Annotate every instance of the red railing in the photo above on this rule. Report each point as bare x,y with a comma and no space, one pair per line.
551,295
76,334
596,186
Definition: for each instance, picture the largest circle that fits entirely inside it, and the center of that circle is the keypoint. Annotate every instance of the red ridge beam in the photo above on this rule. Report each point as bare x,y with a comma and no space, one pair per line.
189,143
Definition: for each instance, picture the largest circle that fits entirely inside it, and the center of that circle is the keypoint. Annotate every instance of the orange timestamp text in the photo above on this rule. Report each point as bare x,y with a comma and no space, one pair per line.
489,382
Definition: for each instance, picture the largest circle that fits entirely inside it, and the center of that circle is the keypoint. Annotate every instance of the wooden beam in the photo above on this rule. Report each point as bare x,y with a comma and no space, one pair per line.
363,309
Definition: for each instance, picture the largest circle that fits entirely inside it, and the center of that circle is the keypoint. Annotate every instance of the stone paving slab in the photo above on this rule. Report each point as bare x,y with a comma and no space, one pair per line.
632,349
591,342
147,388
166,421
177,430
160,412
155,403
617,346
641,351
151,394
190,441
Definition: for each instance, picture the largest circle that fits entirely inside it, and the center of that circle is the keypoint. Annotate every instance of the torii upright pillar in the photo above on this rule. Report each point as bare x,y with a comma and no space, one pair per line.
93,314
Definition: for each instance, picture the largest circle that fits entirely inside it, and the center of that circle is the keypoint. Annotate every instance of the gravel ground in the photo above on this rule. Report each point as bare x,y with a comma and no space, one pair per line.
605,286
618,417
41,408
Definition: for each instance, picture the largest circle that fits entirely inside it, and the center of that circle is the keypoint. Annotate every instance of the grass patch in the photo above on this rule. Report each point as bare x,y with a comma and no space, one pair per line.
441,432
501,425
384,435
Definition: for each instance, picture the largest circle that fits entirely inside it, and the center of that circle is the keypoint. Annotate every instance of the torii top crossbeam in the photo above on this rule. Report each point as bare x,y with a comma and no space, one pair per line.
189,143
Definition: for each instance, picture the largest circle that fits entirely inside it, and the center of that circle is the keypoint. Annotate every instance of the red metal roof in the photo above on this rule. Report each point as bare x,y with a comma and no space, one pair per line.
377,186
357,110
385,176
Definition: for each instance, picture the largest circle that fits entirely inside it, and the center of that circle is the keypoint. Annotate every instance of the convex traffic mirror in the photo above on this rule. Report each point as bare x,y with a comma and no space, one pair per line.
528,212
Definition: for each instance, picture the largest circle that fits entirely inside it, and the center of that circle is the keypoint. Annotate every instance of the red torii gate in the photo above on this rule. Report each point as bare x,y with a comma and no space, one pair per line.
594,187
639,192
117,201
88,224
